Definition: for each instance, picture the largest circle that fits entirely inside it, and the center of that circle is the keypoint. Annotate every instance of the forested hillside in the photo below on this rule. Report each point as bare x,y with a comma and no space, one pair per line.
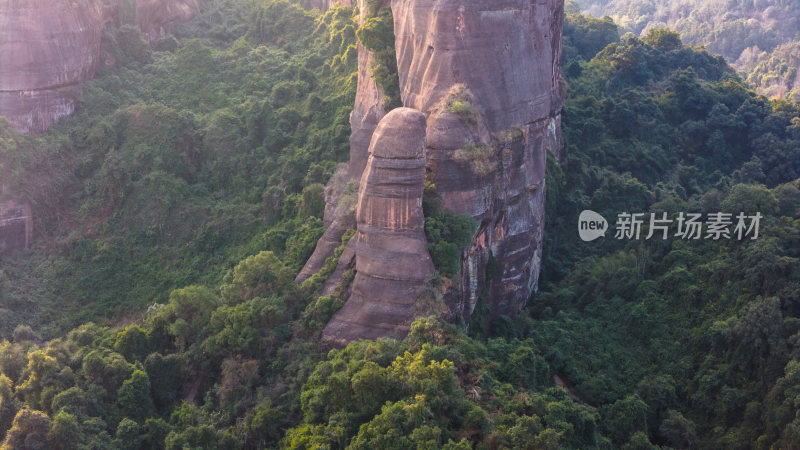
760,38
157,308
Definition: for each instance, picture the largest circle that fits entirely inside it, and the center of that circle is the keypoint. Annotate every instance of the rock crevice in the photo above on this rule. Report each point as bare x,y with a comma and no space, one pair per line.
485,76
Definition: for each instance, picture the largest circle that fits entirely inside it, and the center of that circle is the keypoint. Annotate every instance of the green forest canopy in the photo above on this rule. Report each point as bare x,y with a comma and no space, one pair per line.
760,38
157,309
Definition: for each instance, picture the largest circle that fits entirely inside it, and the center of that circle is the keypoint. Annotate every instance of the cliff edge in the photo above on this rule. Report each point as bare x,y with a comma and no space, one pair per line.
484,75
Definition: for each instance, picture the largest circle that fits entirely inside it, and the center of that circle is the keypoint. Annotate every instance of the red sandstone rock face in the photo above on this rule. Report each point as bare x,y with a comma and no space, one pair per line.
364,118
393,266
485,74
505,54
45,47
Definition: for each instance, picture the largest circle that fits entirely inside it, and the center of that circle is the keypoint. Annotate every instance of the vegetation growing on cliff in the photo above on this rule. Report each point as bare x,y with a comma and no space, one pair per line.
199,197
178,166
448,234
377,35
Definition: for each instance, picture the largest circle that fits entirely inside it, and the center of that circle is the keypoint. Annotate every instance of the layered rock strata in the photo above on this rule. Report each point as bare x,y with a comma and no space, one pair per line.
393,267
485,75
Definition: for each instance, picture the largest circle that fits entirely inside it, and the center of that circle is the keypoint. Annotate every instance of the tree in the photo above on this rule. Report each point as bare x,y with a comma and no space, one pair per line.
133,343
663,39
29,431
65,432
8,403
133,397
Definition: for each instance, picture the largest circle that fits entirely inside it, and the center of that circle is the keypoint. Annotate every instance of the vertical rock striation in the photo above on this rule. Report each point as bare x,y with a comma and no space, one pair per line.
364,118
486,74
393,266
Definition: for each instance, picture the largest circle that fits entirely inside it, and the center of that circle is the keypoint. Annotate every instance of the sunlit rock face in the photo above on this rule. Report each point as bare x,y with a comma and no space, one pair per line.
47,47
393,267
498,60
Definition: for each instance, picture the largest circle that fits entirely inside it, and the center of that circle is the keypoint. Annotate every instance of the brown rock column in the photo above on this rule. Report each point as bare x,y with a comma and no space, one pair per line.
503,55
392,261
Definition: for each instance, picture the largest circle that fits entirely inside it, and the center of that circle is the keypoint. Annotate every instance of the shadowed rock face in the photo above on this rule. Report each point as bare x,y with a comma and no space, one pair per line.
364,118
392,261
46,48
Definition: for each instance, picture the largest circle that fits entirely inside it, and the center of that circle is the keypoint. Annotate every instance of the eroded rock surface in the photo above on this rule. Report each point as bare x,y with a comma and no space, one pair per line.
367,112
47,47
486,74
393,267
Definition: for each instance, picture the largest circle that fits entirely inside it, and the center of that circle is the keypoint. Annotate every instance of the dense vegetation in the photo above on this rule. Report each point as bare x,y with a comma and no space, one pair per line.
198,194
759,37
180,163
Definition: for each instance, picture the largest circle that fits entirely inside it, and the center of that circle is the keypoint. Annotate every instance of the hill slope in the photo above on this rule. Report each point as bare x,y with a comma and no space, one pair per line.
749,34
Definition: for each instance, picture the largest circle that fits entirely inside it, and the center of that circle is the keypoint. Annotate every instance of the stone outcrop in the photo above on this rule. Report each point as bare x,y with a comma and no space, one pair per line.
393,267
485,75
48,47
364,118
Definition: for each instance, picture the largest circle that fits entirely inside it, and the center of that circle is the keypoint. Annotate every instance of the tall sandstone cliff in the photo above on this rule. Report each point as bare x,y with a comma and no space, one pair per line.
364,118
392,264
485,76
